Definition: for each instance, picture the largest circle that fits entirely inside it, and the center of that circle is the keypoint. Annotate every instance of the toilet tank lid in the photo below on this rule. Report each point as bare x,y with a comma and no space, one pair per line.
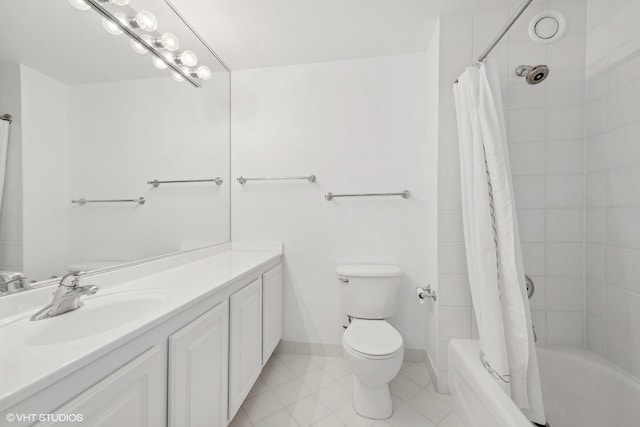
368,270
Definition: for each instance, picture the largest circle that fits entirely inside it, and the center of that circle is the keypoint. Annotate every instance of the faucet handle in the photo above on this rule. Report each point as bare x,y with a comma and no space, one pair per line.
75,279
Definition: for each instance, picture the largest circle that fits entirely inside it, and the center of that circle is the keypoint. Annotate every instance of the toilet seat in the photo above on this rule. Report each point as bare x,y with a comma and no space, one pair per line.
372,339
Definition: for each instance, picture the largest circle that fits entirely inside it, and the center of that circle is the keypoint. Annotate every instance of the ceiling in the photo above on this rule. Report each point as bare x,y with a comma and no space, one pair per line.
265,33
70,45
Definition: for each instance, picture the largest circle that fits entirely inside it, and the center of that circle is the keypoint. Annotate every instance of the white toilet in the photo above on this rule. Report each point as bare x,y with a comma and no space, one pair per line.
372,347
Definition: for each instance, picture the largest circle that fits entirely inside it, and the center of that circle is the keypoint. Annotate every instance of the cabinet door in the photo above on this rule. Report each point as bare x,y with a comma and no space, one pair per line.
198,371
132,396
245,353
271,311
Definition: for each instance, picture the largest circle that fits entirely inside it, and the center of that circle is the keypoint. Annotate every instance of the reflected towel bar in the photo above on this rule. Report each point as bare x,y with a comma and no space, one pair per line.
156,183
242,180
405,195
82,201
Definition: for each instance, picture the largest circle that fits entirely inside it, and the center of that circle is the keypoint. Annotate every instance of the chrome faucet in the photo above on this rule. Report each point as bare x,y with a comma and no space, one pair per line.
66,297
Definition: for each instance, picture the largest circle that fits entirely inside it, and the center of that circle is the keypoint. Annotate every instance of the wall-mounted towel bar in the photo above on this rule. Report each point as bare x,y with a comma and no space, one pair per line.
405,195
242,180
82,201
156,183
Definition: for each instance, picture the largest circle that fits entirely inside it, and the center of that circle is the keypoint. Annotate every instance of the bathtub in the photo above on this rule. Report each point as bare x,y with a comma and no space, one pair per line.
580,389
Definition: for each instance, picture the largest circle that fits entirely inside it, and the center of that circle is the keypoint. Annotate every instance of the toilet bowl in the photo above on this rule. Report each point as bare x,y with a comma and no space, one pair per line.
372,347
374,351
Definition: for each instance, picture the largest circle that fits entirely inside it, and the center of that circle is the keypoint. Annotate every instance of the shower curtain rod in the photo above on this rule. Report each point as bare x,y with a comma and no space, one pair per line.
504,31
7,117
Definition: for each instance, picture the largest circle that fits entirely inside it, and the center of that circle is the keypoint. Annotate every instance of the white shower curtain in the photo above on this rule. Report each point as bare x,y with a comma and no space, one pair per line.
4,144
494,255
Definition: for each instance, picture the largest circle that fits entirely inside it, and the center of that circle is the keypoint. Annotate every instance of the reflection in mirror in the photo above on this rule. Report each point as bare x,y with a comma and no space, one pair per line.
93,118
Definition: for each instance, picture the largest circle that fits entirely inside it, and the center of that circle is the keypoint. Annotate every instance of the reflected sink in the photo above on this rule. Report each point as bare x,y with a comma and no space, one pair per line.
99,314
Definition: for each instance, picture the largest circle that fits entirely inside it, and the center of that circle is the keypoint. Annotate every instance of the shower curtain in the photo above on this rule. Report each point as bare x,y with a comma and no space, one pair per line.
4,144
494,255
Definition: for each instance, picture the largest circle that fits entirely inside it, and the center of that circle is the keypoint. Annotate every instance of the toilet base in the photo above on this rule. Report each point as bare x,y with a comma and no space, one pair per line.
372,401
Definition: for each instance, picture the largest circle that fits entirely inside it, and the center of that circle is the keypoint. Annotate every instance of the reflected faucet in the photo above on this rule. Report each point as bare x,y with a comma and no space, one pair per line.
66,297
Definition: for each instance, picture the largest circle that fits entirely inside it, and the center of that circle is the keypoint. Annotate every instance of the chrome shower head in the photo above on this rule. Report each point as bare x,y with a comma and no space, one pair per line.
534,75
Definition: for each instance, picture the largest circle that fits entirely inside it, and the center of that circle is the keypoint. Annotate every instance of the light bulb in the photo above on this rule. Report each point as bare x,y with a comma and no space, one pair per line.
160,64
145,21
167,41
138,47
112,27
177,76
79,4
203,72
187,58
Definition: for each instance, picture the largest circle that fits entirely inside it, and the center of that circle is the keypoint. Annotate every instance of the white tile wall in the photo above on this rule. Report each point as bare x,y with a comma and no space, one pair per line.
547,150
612,292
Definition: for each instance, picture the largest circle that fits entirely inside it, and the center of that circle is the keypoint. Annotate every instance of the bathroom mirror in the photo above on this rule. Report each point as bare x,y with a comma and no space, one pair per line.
94,120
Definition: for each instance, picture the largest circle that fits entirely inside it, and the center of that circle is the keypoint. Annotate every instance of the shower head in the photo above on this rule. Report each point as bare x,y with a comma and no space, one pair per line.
534,75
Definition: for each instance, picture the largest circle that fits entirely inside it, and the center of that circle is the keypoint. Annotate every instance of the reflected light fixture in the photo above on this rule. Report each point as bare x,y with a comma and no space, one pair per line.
141,48
143,20
203,72
111,27
79,4
159,63
163,46
187,58
167,41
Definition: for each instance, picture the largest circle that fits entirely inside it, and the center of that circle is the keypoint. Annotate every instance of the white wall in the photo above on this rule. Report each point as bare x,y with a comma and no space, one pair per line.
613,182
45,166
546,135
11,213
126,133
360,126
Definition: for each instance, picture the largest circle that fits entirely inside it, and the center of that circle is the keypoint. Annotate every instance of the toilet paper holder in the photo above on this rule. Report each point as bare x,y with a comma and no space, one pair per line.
424,293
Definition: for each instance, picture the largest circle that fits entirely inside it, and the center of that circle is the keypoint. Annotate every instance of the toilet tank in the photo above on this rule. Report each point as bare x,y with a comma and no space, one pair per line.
369,291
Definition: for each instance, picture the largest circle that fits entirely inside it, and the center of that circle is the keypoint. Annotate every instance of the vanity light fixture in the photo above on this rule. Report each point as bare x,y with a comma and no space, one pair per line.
163,47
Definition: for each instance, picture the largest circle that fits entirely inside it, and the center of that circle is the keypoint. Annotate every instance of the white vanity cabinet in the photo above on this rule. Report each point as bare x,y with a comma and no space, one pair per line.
198,370
193,368
245,343
271,311
132,396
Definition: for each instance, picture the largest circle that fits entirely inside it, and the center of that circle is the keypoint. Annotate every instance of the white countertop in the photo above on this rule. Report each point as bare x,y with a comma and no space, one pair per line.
30,356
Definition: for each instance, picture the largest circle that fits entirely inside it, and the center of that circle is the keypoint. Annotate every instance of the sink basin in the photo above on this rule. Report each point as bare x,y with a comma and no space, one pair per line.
100,313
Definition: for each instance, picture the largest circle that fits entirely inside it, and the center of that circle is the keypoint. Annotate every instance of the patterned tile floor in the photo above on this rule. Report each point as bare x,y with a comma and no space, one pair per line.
301,391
